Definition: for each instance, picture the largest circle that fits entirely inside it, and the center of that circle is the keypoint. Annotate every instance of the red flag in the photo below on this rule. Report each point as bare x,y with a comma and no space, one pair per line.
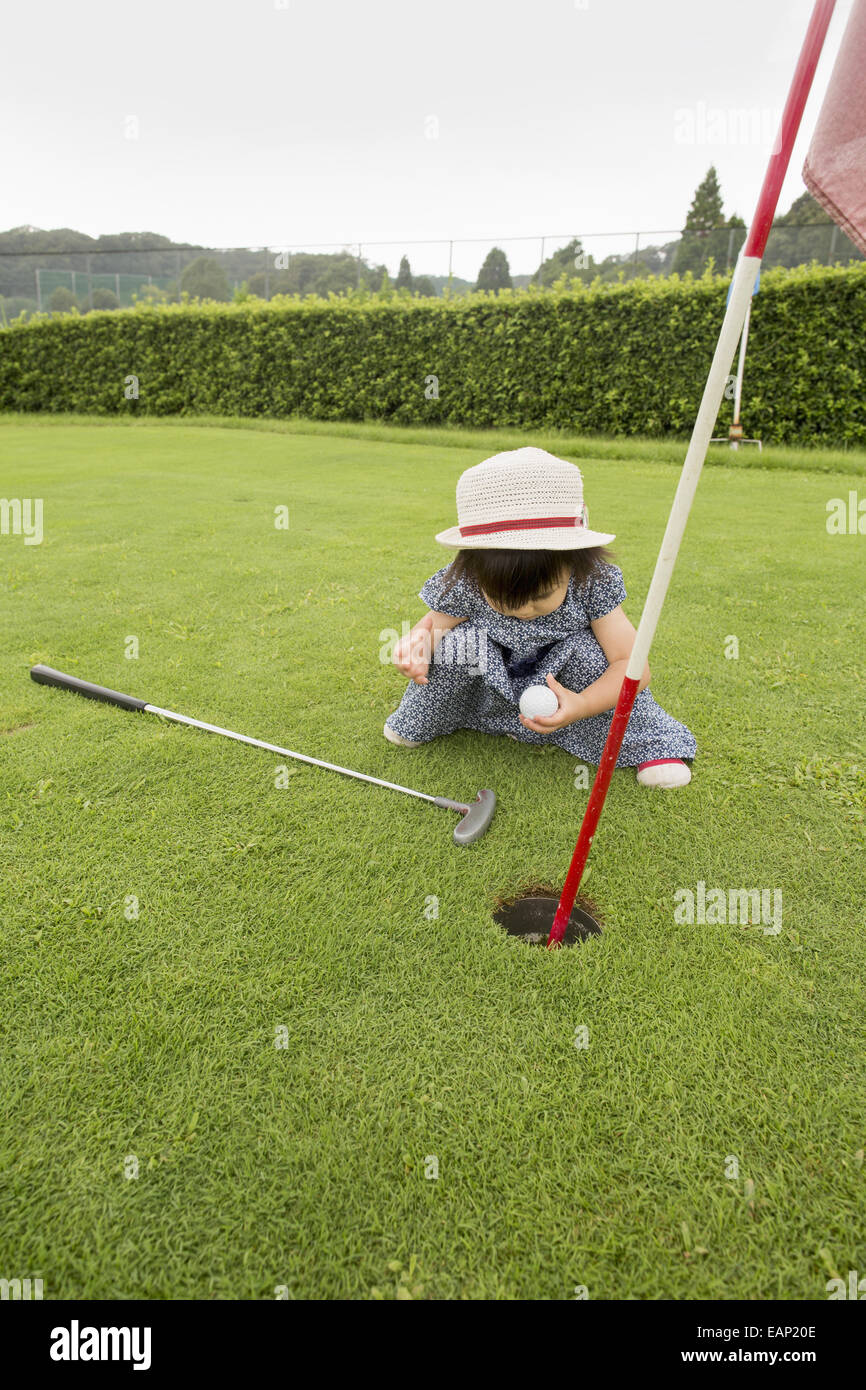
835,168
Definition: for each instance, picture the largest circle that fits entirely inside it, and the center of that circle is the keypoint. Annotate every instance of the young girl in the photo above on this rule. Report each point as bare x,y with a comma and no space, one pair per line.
531,598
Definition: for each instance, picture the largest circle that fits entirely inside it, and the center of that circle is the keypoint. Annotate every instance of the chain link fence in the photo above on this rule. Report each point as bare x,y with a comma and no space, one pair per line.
34,280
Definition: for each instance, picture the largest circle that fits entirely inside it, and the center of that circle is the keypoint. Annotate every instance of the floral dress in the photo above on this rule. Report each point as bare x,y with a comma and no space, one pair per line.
481,667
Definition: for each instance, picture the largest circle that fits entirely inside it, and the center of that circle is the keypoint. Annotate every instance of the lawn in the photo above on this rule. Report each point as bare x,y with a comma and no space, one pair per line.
246,1086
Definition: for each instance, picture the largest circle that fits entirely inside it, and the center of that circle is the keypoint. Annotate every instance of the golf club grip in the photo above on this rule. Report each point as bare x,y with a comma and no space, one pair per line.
46,675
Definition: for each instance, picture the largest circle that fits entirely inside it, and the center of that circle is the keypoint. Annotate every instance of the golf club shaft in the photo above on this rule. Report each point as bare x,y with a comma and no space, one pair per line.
46,675
299,757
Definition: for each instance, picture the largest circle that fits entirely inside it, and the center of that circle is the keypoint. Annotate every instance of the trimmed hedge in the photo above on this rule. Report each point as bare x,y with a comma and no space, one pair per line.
626,359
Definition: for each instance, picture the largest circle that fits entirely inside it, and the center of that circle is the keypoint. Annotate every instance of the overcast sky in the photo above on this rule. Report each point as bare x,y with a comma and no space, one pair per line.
300,122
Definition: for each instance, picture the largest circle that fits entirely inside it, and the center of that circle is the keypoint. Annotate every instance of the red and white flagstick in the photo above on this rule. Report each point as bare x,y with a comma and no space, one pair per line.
732,327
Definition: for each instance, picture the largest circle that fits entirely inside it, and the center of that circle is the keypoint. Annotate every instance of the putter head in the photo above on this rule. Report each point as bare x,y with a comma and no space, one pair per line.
473,824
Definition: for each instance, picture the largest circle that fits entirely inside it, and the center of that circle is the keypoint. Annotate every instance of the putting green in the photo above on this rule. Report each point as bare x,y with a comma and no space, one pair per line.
260,1031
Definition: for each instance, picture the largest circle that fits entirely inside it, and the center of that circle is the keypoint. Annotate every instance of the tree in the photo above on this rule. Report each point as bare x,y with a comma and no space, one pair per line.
807,233
14,306
423,286
571,261
404,275
706,234
62,301
636,265
151,294
449,285
494,273
736,241
309,272
705,212
204,278
105,299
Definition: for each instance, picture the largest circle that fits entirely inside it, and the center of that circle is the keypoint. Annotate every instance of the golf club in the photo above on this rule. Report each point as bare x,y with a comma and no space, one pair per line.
475,815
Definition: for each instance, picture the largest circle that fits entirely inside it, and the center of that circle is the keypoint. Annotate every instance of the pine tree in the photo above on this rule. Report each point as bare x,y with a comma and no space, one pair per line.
494,273
404,275
700,240
706,209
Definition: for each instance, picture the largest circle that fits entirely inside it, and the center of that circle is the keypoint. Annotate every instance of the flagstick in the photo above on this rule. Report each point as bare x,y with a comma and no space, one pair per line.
732,327
741,363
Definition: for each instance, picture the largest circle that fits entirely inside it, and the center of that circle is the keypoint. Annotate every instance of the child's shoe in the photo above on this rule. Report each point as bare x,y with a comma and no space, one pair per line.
664,773
393,737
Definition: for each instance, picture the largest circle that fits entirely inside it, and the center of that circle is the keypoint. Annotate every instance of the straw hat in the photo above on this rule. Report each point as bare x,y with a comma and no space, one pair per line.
524,499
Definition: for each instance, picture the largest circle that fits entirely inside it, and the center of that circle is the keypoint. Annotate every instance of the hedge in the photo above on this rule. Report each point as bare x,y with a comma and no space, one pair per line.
627,359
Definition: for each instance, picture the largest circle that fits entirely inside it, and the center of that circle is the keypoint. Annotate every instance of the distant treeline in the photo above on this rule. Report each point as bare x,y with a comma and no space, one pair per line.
79,272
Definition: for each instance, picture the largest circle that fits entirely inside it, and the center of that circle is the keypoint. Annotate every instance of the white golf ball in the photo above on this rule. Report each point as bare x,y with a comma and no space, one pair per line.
538,699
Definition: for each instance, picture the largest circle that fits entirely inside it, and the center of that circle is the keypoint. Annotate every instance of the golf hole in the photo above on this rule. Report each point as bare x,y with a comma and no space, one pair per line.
530,918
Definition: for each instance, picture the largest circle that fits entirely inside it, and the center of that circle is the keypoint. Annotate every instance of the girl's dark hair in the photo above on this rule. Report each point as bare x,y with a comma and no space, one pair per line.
512,578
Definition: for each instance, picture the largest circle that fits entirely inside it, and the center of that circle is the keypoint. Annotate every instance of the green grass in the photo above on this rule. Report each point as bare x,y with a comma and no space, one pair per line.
306,908
593,448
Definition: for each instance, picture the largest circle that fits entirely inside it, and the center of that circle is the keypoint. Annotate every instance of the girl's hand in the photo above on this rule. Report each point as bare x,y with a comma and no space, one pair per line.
571,708
411,654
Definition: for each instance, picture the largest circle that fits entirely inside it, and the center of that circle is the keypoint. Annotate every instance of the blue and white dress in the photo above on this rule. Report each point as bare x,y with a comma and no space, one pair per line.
481,667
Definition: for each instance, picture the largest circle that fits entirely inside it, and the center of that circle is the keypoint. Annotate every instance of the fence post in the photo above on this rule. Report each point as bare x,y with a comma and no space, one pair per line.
89,282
